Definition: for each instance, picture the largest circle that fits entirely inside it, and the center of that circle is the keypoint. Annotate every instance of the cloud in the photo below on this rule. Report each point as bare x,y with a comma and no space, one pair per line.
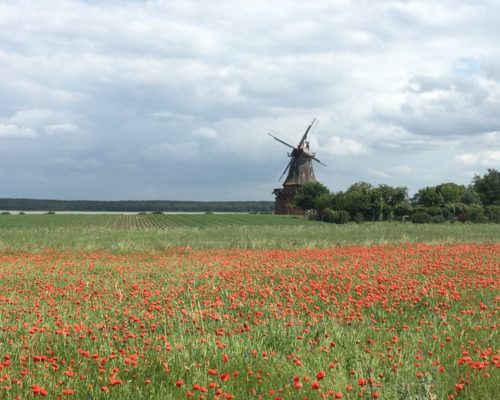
205,132
175,151
397,171
466,158
143,86
61,129
342,147
485,158
11,130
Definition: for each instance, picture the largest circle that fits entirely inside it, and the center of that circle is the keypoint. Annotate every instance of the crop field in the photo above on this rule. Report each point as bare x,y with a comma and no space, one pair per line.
145,221
240,306
155,232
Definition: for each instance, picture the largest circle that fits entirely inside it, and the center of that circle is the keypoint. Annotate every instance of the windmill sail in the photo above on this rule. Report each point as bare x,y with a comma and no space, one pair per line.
300,169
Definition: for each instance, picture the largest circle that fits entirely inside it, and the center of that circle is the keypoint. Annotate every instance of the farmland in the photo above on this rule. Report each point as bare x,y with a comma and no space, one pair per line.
240,306
151,232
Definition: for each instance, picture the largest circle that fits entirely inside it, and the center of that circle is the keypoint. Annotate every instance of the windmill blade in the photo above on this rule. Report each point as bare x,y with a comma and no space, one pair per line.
318,161
286,169
306,133
281,141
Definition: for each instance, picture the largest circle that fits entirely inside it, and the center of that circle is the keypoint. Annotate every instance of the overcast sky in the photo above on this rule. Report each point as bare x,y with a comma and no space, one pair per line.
165,99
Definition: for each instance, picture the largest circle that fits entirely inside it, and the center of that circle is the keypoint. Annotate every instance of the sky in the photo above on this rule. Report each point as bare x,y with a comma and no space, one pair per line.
173,100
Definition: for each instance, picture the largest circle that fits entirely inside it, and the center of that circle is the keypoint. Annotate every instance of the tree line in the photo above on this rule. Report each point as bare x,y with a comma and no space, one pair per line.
477,202
136,206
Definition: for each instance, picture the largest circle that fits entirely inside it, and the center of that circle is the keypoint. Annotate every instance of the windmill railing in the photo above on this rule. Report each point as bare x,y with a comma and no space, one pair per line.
287,191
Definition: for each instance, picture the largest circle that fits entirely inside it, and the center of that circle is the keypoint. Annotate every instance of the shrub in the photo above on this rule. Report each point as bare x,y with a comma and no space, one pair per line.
329,215
359,218
421,218
157,212
476,213
334,216
5,213
344,217
492,213
432,211
50,212
438,219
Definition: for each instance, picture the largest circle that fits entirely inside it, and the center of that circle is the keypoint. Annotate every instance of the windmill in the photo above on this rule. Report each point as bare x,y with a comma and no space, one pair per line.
300,171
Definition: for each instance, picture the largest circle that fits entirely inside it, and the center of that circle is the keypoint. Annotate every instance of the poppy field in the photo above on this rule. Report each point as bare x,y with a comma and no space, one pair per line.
393,321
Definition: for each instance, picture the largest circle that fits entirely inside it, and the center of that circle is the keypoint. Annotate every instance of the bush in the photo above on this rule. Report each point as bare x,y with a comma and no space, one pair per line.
329,215
344,217
438,219
359,218
421,218
157,212
334,216
476,213
492,213
432,211
5,213
50,212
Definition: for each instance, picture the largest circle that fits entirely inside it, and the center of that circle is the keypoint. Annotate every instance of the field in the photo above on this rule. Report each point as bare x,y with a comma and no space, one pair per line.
246,307
150,232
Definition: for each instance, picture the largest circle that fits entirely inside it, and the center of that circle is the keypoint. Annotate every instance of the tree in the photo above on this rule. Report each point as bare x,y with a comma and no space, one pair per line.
470,197
450,192
311,193
488,187
428,197
358,199
384,199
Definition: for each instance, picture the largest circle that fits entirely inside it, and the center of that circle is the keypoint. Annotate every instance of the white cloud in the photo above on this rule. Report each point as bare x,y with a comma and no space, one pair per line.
342,147
61,129
175,151
466,158
11,130
205,132
486,158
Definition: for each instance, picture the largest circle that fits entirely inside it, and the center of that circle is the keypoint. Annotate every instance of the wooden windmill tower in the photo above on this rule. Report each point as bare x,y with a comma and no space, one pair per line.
300,171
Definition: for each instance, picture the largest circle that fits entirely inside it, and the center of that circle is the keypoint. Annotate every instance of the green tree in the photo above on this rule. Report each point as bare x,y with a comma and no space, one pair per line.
428,197
358,199
311,193
451,192
384,199
488,187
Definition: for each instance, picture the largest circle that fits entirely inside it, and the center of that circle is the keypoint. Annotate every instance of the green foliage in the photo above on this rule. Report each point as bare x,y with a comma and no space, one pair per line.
402,209
313,194
488,187
428,197
438,219
475,213
451,192
432,211
470,197
492,213
336,217
421,217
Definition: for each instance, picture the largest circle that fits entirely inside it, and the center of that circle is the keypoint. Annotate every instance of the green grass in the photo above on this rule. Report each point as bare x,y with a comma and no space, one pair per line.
123,233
